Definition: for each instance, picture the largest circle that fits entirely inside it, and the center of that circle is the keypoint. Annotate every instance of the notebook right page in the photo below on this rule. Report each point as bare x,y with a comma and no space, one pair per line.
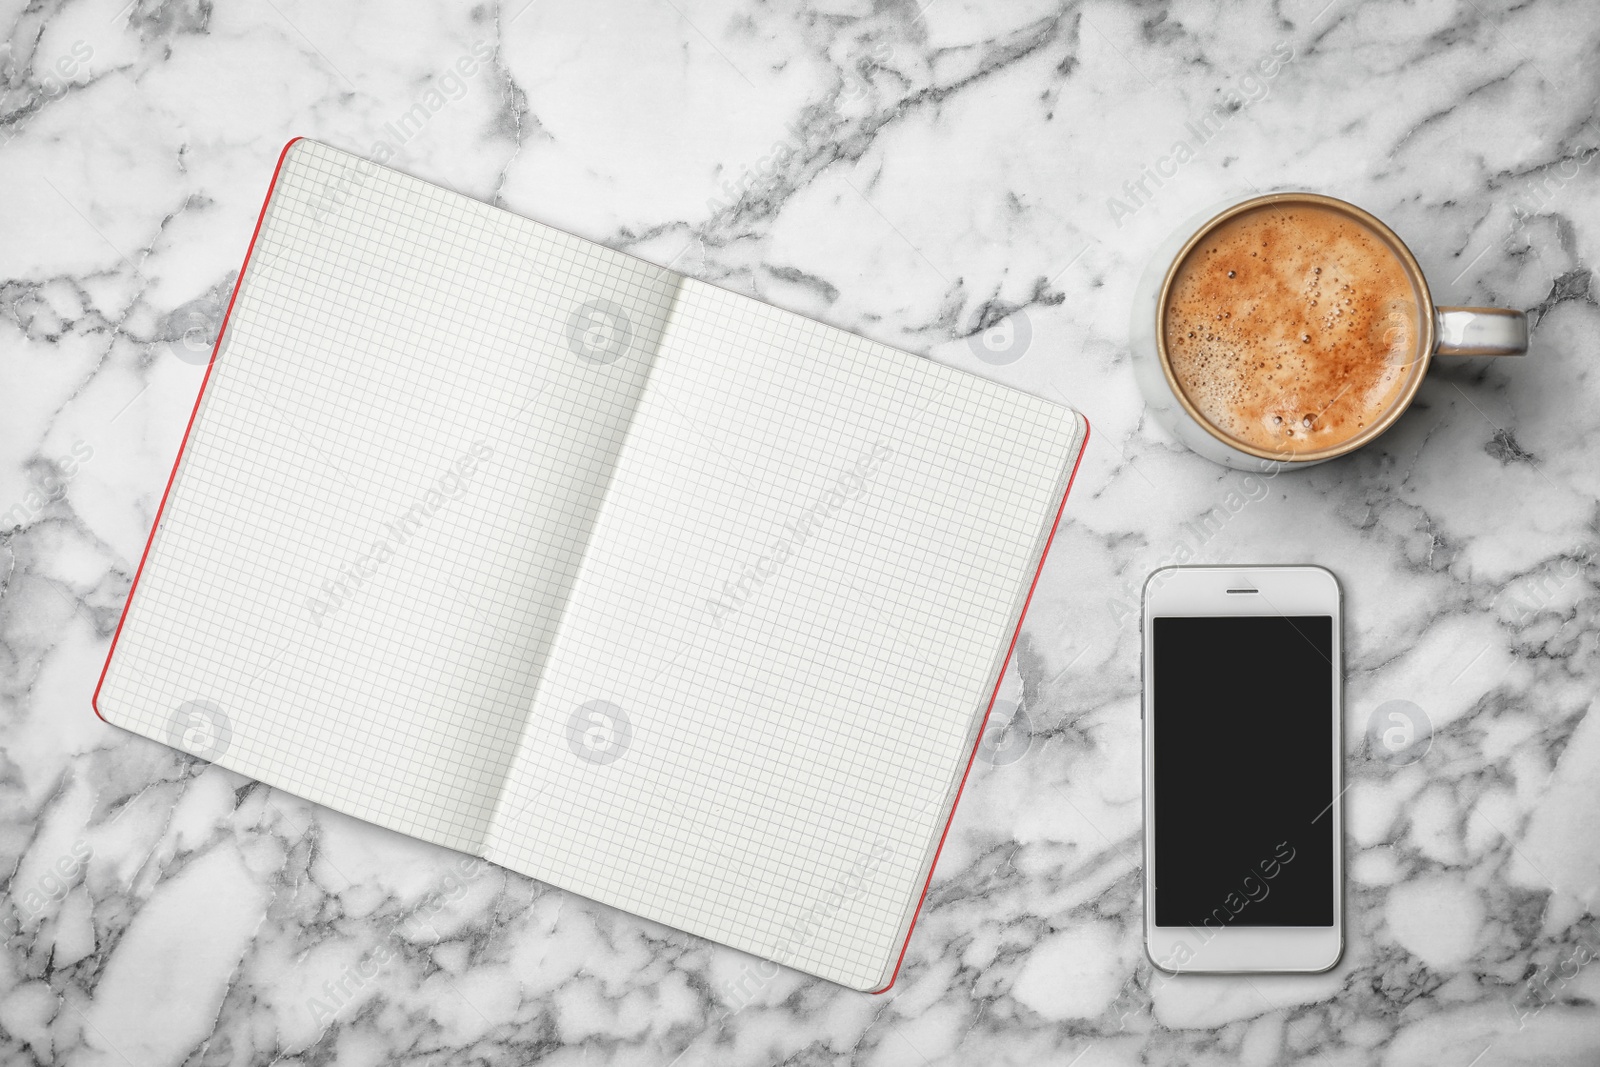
788,623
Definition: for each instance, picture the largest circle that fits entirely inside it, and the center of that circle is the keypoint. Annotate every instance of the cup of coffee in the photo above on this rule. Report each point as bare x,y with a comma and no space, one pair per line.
1294,328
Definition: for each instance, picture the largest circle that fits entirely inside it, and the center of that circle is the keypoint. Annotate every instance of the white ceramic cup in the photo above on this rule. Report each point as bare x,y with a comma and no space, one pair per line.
1445,331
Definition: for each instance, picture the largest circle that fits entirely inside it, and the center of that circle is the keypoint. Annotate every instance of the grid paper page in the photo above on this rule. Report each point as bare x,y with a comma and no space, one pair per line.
385,496
792,614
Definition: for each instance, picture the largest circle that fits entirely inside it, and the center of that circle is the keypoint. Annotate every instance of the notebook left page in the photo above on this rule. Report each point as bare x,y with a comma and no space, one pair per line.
385,494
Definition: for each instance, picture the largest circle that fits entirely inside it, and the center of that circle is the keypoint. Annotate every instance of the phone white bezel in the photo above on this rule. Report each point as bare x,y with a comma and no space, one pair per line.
1203,591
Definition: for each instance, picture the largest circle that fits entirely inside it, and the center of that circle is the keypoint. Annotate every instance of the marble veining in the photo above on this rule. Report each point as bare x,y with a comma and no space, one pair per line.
980,184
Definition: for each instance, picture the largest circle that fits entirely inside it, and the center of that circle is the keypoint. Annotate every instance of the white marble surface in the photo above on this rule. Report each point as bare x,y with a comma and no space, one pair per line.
911,176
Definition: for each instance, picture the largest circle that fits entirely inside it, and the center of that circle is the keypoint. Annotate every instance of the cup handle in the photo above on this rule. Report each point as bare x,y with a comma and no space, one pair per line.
1481,332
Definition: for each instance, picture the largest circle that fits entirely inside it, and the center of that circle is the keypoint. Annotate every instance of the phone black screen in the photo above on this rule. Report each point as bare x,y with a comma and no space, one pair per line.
1241,713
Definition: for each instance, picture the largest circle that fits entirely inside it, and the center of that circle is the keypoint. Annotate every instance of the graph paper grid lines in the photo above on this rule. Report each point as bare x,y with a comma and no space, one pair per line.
386,493
499,538
799,593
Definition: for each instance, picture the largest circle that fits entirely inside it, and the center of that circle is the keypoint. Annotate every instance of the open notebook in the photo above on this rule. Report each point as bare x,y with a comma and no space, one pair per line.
499,538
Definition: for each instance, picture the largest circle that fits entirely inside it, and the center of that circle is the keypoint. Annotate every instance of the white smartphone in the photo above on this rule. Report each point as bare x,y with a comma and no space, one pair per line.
1243,770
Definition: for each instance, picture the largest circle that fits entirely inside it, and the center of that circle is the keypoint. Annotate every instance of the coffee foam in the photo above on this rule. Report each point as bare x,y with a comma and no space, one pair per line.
1292,327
